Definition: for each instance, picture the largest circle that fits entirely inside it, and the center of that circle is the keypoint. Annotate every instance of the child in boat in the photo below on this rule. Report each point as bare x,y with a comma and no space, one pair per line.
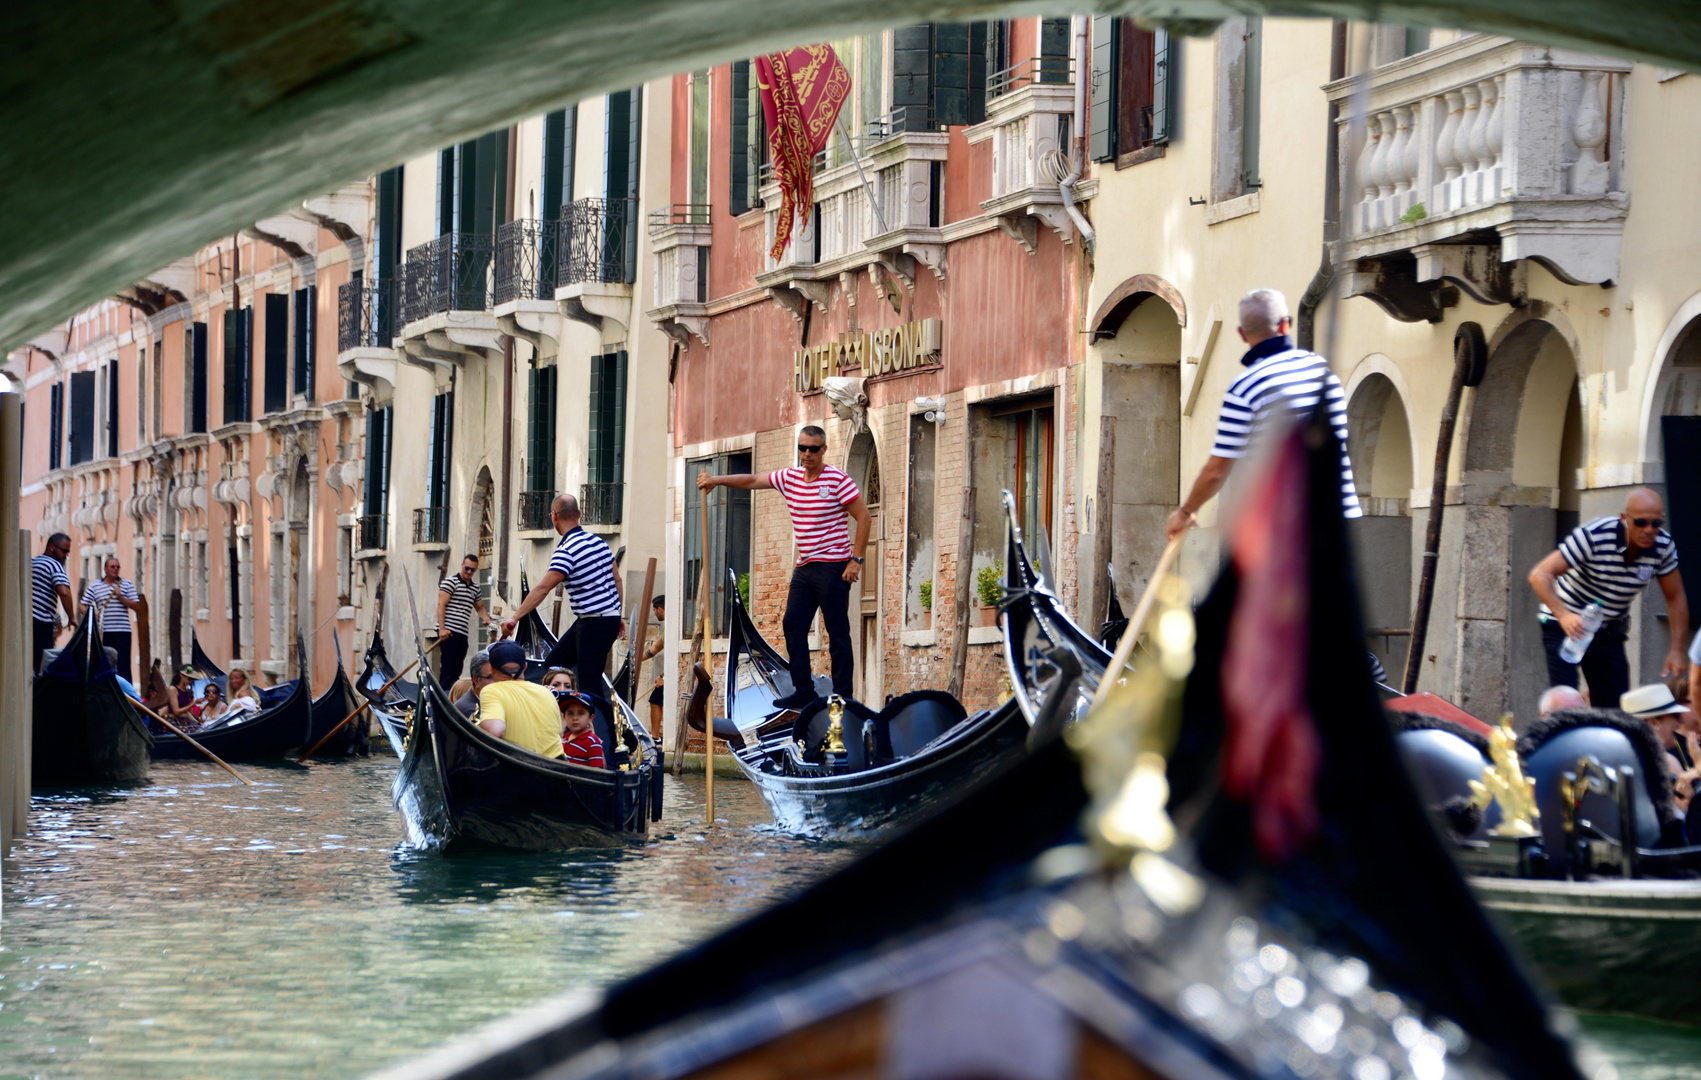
579,742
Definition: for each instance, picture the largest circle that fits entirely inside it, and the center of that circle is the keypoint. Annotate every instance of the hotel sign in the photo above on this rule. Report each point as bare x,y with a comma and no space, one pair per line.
877,352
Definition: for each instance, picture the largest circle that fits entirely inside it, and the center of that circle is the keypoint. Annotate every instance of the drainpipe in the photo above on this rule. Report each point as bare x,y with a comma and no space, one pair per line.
1083,71
507,502
1305,323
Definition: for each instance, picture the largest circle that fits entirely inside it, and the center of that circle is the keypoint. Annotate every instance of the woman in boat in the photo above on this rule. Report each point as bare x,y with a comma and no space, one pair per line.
558,680
212,704
244,700
181,707
1656,704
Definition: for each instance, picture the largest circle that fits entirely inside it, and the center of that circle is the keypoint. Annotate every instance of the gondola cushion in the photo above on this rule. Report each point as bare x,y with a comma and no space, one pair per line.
1443,763
1554,744
911,721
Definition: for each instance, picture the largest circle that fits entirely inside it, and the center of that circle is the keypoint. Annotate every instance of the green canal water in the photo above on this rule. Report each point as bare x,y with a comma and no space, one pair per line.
195,928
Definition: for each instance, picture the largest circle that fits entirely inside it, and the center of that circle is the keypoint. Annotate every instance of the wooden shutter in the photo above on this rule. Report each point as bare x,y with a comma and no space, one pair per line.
56,426
1102,118
306,338
1251,127
198,378
738,140
1054,50
277,353
112,409
1163,86
82,416
634,145
951,74
912,67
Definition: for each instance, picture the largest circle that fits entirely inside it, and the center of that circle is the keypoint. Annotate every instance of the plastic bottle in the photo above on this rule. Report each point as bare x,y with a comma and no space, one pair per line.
1572,651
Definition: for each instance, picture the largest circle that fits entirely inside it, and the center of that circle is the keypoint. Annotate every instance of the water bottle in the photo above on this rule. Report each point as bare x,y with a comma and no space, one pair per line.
1572,651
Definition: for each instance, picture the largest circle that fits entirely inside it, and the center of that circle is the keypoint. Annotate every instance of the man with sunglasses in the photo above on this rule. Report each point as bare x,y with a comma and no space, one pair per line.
1607,561
818,497
48,582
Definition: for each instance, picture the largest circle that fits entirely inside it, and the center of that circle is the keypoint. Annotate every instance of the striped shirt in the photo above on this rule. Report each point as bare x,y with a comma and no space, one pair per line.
1598,573
584,560
1282,381
457,614
817,511
114,617
47,574
583,749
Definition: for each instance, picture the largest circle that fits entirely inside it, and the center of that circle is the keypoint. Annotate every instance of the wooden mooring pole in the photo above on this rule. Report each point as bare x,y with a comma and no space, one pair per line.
15,673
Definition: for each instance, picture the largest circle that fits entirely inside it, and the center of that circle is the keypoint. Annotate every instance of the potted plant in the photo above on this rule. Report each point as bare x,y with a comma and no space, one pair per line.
989,589
744,590
927,604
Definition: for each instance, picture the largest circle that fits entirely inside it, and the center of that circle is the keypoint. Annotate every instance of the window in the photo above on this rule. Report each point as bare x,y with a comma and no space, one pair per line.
195,383
141,393
159,387
440,449
1239,96
622,121
306,340
871,70
238,365
918,517
471,182
1133,88
56,426
112,394
540,430
386,257
729,537
941,67
607,438
277,353
697,184
1013,445
376,495
560,134
1033,468
201,570
740,197
82,416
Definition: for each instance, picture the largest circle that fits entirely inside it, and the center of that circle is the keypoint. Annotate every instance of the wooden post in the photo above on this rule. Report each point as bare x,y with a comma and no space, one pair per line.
15,646
174,625
1103,526
960,590
642,627
707,614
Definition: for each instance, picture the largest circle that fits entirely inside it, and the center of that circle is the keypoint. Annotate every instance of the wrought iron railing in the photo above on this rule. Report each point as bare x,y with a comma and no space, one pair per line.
450,273
527,260
679,214
431,525
599,241
600,504
373,528
534,509
367,315
1052,70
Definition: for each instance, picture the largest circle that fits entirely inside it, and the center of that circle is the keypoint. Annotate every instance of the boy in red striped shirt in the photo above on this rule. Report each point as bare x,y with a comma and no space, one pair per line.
818,497
579,742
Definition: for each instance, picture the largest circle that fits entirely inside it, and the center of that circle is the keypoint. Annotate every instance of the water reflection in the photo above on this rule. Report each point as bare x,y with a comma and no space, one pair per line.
196,927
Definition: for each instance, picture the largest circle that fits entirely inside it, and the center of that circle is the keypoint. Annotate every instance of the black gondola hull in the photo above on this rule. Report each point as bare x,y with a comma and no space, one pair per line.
329,710
270,734
84,731
891,796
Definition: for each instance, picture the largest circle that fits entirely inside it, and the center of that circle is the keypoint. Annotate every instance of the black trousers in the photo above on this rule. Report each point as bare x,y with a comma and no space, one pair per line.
451,655
1604,665
819,586
42,640
597,635
119,643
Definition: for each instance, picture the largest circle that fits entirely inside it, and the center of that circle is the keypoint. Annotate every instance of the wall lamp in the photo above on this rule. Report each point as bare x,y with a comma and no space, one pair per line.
935,408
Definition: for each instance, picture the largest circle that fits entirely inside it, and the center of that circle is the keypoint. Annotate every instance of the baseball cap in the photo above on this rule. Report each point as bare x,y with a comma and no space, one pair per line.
1650,701
506,652
576,697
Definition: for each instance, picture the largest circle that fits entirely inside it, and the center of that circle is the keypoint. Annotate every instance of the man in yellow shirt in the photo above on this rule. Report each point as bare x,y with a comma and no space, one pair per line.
515,710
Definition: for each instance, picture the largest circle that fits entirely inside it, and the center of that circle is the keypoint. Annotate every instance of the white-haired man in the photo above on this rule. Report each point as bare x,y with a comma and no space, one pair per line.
1280,381
1555,698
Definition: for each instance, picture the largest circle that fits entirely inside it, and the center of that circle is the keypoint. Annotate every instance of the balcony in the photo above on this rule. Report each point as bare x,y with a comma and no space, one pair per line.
447,289
1029,107
527,270
679,240
373,530
367,320
1479,154
600,504
534,510
431,525
599,259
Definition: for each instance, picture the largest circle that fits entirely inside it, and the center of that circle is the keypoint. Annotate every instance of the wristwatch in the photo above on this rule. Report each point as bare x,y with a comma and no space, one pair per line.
856,560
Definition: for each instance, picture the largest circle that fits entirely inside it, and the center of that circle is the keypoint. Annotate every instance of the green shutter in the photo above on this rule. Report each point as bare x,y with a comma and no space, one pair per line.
1102,120
1163,86
1054,50
738,141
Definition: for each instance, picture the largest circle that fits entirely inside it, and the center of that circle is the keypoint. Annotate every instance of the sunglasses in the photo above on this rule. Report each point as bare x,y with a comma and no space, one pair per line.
1643,523
804,449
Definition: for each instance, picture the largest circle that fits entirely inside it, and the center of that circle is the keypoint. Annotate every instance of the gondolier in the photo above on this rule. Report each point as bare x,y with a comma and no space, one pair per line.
1608,561
818,496
1280,381
119,597
457,601
49,582
584,561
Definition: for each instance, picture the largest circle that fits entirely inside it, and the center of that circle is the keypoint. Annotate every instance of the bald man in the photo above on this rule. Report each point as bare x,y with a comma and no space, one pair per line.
1607,561
582,560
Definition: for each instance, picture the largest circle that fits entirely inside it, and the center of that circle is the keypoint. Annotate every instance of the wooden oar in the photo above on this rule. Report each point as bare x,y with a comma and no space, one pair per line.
368,704
1125,647
184,735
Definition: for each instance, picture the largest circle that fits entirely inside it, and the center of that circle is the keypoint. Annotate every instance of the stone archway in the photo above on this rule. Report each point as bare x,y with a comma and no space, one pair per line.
1379,442
480,537
1671,432
868,630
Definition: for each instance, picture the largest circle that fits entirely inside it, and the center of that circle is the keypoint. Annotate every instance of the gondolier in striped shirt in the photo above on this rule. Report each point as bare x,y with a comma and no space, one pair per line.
457,600
584,562
1280,381
1608,561
116,597
49,583
818,497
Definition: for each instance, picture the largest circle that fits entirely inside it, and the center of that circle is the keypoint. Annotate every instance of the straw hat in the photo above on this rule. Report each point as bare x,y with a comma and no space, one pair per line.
1650,701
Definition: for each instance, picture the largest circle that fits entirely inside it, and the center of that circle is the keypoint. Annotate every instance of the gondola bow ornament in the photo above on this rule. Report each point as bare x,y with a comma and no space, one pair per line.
802,91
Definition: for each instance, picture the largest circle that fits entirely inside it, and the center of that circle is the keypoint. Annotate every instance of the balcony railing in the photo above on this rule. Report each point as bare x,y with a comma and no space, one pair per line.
903,120
1049,70
527,260
450,273
366,315
431,525
678,214
534,509
599,241
600,504
374,530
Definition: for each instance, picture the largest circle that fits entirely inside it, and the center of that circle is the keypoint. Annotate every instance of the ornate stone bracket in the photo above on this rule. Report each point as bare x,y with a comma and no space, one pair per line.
1475,268
1393,285
596,303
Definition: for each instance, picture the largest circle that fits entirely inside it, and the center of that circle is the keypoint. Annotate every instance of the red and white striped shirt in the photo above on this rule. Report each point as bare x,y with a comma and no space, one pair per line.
817,511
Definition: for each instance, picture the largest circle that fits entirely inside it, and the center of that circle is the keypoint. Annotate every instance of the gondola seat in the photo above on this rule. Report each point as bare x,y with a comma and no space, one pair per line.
1443,758
1553,746
908,723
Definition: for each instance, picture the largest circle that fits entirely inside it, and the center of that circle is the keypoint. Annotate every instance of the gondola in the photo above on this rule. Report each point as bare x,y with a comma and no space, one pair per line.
902,762
331,708
84,729
379,673
462,789
270,733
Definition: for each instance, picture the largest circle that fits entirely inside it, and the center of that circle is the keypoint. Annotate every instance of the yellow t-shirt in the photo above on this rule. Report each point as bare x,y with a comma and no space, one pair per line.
533,718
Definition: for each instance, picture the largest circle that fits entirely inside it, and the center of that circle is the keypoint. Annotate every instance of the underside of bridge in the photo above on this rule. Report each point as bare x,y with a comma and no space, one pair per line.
136,132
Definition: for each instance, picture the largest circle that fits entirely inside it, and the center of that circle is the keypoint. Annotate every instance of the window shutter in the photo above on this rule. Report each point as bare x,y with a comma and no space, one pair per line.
276,369
82,416
738,140
617,438
1163,86
56,426
112,409
1251,115
634,143
198,379
595,443
912,66
303,314
951,74
755,144
1102,119
1054,50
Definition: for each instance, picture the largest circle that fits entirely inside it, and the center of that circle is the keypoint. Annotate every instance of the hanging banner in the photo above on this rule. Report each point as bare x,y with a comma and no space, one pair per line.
802,91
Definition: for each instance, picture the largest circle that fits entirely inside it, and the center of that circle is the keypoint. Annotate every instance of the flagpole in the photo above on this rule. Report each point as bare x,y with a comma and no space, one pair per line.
879,218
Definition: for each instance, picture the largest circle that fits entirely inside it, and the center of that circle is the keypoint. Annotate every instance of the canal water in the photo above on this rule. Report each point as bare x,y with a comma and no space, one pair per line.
196,928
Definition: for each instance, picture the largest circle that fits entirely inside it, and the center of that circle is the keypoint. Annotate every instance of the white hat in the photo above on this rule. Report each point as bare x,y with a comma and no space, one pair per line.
1650,701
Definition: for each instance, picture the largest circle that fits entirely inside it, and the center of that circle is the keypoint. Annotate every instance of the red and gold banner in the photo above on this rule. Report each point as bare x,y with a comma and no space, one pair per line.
802,91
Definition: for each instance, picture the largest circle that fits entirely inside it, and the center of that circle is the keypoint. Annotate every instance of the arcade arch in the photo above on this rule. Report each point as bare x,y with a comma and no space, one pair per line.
1671,433
867,627
1379,443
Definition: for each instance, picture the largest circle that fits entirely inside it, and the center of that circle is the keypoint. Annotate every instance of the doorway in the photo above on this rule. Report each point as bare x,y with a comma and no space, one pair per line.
867,628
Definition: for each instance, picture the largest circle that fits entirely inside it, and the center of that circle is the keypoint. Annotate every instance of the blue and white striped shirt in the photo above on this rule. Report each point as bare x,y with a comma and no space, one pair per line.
47,574
1595,551
584,559
1284,382
114,617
